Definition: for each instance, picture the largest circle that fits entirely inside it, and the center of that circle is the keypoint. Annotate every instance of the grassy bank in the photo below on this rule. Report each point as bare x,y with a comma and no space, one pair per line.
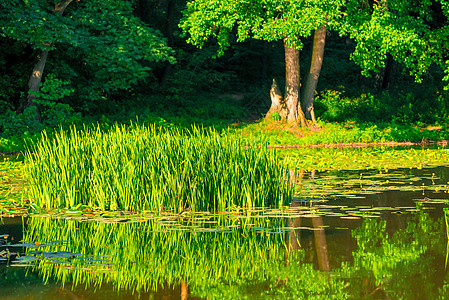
276,133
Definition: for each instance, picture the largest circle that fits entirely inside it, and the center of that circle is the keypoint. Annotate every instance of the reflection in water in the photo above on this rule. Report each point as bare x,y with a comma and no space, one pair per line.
215,263
320,243
184,290
209,263
294,240
407,264
318,226
253,259
389,252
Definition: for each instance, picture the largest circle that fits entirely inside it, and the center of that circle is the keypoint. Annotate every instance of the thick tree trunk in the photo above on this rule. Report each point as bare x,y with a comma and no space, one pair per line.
319,40
292,84
38,69
288,107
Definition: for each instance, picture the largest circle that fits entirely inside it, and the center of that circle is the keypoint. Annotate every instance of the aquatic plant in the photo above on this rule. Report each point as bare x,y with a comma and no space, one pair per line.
430,185
148,168
380,158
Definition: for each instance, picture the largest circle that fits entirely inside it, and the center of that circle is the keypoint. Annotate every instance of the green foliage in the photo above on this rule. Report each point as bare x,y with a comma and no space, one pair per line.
4,105
402,29
334,106
413,107
269,21
16,125
7,92
196,72
52,90
147,168
275,116
127,44
98,45
53,112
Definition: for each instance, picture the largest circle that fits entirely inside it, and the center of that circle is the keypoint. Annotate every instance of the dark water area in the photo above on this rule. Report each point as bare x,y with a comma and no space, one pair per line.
369,235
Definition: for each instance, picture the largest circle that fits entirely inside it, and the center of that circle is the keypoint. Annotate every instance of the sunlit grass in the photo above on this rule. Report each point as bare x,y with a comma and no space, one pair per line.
138,167
278,133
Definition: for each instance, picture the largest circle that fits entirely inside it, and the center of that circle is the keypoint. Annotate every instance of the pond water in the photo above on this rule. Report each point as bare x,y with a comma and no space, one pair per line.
348,234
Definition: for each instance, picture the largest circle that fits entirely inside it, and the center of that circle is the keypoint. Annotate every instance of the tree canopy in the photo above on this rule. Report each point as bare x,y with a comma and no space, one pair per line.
117,51
99,41
414,33
261,19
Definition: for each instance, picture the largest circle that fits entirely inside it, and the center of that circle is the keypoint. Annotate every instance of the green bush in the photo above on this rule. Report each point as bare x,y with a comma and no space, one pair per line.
53,112
13,124
386,106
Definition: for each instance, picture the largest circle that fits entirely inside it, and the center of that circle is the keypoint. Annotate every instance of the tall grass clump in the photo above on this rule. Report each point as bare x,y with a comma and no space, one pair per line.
148,168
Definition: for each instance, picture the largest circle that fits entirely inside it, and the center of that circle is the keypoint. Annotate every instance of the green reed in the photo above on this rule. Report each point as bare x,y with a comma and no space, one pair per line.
146,168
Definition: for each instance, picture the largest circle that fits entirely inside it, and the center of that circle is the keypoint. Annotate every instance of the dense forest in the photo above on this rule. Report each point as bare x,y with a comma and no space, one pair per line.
174,62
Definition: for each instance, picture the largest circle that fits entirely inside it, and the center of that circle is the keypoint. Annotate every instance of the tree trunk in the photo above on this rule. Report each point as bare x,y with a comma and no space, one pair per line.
292,84
389,72
277,102
289,107
319,40
170,25
34,81
38,69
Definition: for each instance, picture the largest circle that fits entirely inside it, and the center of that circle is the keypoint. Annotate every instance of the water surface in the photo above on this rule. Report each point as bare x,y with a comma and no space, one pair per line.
348,234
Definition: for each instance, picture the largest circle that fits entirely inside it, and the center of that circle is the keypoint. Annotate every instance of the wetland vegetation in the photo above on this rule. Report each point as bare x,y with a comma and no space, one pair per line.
140,168
347,233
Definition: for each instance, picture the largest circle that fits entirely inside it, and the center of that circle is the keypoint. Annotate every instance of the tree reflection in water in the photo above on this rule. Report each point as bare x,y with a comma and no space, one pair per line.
247,256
